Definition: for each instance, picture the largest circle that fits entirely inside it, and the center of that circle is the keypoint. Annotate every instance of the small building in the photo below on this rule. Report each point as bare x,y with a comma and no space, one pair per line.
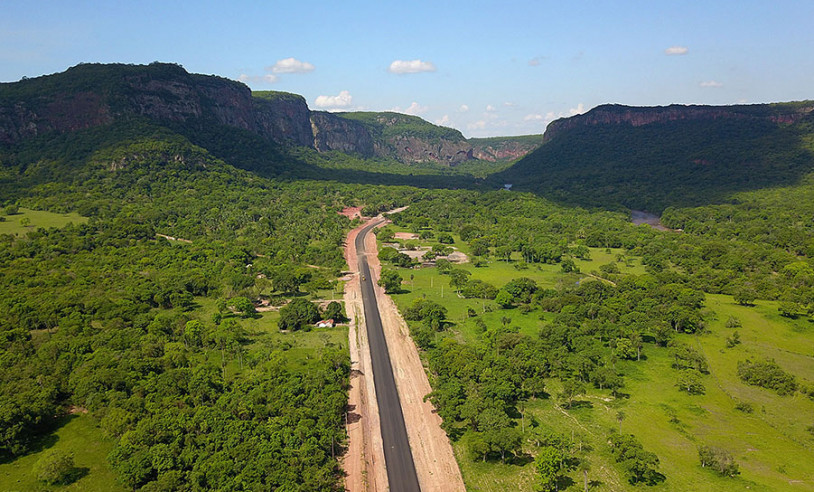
325,323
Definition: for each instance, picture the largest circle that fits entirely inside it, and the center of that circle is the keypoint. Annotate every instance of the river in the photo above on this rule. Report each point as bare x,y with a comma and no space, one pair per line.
639,217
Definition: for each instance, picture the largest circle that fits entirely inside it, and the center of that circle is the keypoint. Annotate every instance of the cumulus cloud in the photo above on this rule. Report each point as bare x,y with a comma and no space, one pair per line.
676,50
443,121
291,65
578,110
489,108
478,125
413,109
534,117
263,79
509,104
535,61
711,83
411,66
464,108
340,101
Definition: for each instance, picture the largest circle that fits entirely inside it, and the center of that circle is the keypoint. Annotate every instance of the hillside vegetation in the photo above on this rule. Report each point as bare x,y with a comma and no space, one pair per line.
680,162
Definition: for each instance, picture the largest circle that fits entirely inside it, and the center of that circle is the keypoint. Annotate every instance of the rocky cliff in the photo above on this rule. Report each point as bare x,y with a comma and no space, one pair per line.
614,114
90,95
502,149
332,132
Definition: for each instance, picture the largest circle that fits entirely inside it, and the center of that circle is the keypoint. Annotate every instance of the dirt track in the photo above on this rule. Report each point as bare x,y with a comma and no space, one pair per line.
430,447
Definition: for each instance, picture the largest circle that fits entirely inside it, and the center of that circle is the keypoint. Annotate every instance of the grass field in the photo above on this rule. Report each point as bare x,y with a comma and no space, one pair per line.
77,434
771,445
37,219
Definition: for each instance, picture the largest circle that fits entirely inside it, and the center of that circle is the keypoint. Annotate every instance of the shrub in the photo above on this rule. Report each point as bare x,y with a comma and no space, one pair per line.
767,374
55,467
719,460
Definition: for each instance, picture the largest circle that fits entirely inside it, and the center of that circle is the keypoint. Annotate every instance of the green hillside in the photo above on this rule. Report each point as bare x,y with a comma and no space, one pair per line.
679,162
389,125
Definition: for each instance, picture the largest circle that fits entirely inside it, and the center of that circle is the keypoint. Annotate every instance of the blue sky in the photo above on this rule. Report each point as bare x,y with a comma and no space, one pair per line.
484,67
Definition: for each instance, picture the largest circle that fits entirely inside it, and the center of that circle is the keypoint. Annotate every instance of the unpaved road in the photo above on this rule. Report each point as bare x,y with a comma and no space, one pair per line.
431,451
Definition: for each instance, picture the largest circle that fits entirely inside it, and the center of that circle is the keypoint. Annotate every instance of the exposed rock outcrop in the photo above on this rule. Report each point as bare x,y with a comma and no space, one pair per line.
502,149
90,95
332,132
639,116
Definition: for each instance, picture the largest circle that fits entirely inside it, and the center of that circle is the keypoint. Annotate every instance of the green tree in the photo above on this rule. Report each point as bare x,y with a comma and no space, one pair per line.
745,296
298,314
549,464
334,311
244,306
719,460
55,467
568,266
504,299
194,333
391,281
571,388
689,380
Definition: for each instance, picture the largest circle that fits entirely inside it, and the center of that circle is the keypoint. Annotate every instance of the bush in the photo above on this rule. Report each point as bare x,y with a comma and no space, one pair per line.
767,374
55,467
719,460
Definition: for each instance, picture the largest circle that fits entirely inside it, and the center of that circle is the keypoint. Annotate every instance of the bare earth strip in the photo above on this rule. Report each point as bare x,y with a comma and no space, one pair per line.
430,447
434,460
364,460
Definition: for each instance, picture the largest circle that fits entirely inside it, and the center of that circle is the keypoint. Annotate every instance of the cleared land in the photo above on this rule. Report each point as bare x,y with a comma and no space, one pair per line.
30,220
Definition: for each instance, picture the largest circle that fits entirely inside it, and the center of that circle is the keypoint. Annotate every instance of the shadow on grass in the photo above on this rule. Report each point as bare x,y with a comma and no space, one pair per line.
44,438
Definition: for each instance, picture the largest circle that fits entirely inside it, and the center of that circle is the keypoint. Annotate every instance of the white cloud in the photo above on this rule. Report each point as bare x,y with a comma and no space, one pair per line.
490,108
535,61
291,65
676,50
413,109
411,66
340,101
464,108
578,110
443,121
263,79
478,125
534,117
509,104
711,83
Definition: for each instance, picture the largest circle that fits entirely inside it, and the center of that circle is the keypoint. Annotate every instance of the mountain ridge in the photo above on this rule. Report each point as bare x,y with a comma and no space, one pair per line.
89,95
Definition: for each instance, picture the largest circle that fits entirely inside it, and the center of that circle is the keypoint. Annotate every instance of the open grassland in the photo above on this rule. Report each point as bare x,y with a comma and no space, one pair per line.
78,435
30,220
771,443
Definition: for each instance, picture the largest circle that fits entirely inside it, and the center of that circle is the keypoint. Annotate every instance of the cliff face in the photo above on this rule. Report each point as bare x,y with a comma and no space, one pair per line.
415,150
331,132
502,149
610,114
91,95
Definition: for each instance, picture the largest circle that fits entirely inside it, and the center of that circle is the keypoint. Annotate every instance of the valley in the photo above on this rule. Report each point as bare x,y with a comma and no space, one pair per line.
636,313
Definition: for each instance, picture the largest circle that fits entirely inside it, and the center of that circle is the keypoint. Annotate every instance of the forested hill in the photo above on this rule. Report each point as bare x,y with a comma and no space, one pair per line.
653,157
219,114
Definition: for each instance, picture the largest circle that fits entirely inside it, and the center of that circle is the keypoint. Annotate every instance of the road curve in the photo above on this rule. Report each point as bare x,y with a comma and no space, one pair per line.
401,473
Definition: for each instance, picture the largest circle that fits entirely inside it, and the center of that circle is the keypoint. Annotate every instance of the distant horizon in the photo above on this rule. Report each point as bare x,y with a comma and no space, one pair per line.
484,68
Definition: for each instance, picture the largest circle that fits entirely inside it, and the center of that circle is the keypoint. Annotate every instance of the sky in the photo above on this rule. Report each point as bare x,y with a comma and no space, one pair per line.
487,68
